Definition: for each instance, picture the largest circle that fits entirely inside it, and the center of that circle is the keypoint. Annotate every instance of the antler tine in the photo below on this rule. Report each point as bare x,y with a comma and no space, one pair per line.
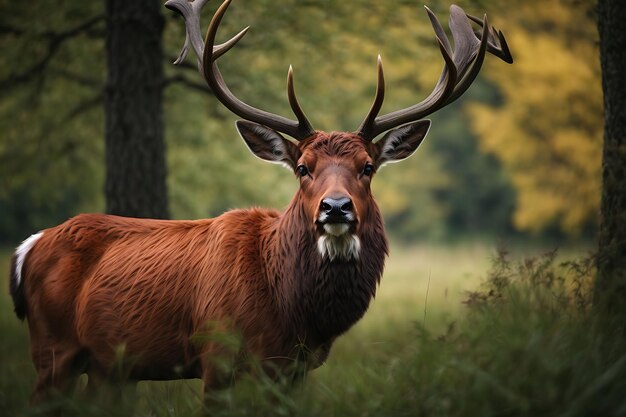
369,129
472,71
496,42
193,37
293,102
298,130
439,32
461,68
466,43
368,124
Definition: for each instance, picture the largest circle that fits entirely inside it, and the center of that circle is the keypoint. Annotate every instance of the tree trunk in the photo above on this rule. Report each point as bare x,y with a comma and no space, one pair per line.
610,288
135,150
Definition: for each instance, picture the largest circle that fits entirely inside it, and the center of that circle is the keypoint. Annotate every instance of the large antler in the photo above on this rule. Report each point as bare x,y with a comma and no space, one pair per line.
191,13
461,68
207,54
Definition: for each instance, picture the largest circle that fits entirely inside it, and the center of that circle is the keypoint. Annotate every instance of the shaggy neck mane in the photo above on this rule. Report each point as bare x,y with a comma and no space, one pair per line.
319,298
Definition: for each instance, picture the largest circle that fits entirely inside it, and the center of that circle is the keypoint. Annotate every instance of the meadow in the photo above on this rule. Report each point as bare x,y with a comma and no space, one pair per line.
460,330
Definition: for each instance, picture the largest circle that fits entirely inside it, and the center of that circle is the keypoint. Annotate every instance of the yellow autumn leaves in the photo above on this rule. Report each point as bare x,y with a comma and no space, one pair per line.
548,130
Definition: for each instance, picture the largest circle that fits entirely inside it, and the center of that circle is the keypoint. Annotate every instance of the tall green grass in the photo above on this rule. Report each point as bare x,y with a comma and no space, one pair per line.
451,333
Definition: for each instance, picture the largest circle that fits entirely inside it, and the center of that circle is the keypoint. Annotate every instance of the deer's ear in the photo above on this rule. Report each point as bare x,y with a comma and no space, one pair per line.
400,143
268,144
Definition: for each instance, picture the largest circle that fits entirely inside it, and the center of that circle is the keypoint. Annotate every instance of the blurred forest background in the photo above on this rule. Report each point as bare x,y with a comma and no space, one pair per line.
519,155
518,158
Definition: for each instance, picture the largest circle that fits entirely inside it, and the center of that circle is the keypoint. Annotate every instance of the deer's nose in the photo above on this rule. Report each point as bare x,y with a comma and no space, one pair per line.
337,208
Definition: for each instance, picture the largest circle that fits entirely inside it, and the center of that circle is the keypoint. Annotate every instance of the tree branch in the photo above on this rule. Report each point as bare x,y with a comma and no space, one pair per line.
55,40
181,79
10,30
83,107
80,108
80,79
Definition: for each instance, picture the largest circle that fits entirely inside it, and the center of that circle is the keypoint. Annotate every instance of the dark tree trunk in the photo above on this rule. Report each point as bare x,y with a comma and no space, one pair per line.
135,150
611,281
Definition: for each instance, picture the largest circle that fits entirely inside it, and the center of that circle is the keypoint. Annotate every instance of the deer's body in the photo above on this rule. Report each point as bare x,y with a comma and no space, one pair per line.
155,288
99,289
101,282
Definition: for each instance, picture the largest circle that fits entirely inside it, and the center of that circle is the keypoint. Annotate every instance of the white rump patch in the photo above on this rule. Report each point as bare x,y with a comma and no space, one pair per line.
20,255
343,246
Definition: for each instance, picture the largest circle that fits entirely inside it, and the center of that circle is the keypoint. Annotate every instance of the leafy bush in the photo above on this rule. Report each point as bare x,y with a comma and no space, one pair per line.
530,345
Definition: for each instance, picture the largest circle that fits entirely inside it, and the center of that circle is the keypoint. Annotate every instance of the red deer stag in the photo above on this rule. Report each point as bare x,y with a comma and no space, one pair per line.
281,280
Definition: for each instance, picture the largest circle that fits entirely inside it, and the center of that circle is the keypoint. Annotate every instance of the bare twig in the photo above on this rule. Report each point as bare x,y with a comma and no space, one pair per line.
83,107
77,78
426,300
55,40
181,79
10,30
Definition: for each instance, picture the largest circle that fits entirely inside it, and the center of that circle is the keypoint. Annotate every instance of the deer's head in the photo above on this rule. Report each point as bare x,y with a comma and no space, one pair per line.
335,169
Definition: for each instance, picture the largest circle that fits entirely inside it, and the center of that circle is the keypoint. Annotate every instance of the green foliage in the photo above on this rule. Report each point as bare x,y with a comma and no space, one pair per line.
480,197
51,144
52,154
530,164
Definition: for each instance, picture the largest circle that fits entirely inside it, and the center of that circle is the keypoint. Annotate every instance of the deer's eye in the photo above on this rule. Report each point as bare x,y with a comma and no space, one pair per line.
302,170
368,170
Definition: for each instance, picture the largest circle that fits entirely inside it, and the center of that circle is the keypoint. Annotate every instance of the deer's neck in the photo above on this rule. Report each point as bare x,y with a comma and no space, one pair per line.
318,298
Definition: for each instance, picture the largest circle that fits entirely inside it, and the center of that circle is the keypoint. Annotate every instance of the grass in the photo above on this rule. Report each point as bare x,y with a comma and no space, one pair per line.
454,331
